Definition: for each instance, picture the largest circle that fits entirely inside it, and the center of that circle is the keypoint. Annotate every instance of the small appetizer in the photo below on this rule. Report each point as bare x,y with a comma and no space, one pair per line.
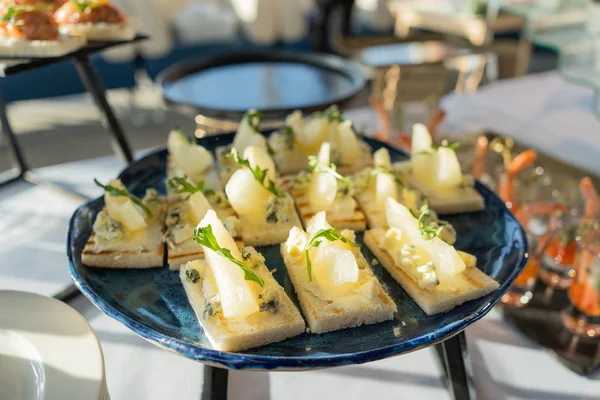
186,158
437,174
30,31
248,134
325,189
375,185
266,212
185,212
46,5
236,299
432,272
348,152
97,20
128,231
333,281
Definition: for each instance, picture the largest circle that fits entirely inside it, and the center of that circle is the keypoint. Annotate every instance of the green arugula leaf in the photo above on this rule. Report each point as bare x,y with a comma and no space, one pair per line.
113,191
333,114
12,12
383,170
182,185
205,237
253,118
445,143
83,4
289,136
315,166
331,235
428,225
259,174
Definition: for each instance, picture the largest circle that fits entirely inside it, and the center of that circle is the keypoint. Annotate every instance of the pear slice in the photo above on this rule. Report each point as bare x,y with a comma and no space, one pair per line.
385,184
322,189
382,159
317,223
334,268
445,257
198,206
314,134
246,195
247,136
123,210
238,296
296,121
423,156
258,156
191,158
347,143
448,173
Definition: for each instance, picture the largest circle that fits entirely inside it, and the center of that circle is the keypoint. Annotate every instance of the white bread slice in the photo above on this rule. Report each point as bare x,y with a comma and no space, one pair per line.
332,314
356,222
472,283
188,250
135,250
263,233
100,31
237,334
465,200
210,176
40,48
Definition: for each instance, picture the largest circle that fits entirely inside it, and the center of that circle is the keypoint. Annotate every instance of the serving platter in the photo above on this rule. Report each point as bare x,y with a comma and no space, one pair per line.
152,302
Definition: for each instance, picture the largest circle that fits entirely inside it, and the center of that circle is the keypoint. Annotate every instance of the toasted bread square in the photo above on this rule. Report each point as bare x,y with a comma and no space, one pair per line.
471,284
365,160
210,177
237,334
262,233
41,48
326,314
465,200
288,160
227,165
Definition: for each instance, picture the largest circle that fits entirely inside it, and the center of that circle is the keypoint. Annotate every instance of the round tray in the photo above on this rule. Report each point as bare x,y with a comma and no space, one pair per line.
275,83
152,302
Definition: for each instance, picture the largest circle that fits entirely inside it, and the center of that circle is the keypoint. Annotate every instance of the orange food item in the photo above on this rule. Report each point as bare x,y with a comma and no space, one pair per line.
385,124
435,121
584,291
506,187
591,197
82,12
562,252
529,273
50,5
481,153
26,23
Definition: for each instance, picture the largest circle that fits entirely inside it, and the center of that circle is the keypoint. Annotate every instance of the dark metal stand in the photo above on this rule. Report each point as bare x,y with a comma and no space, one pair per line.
326,8
94,86
215,383
451,355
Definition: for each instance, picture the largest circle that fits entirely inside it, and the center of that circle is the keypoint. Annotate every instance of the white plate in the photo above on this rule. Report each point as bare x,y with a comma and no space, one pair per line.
47,351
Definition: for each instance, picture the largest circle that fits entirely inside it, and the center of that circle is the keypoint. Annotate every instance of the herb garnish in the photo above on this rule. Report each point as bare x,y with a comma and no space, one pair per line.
205,237
333,114
445,143
289,136
113,191
427,222
331,235
384,170
11,13
315,166
259,174
182,185
83,4
253,117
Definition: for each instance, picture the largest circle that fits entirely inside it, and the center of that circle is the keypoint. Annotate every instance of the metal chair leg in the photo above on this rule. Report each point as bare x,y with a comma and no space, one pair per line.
451,354
215,383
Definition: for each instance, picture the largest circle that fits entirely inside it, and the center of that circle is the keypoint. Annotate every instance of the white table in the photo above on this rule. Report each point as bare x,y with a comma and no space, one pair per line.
505,365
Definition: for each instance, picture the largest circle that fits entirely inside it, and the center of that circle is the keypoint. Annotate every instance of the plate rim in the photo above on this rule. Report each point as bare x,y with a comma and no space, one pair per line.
349,68
237,361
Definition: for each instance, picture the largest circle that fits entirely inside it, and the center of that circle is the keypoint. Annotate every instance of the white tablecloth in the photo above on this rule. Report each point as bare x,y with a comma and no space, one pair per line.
505,365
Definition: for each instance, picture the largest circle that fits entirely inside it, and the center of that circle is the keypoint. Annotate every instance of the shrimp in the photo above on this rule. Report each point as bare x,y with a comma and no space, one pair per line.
481,152
591,198
506,187
385,123
435,121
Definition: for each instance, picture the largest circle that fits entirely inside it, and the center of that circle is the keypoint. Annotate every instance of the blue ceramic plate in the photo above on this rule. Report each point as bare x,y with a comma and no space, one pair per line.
152,302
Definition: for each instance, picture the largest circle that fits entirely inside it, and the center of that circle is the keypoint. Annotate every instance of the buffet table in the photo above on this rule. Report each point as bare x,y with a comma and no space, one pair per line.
504,364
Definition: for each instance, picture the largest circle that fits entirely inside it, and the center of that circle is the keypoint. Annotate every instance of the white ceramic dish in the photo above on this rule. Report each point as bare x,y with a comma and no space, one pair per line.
47,351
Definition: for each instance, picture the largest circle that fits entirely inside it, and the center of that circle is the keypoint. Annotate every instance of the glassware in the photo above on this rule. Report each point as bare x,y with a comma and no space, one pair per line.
582,316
